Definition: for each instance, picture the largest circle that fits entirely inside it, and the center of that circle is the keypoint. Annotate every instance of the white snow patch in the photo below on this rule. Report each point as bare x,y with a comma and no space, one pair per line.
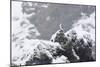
21,27
24,49
44,5
61,59
85,27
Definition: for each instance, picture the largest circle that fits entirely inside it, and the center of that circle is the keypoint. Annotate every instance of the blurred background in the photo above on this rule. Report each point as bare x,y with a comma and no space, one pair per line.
47,16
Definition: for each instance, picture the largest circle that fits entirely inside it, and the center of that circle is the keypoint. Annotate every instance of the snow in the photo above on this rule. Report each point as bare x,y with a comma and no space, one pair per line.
16,9
84,27
61,59
26,46
21,27
45,5
80,36
75,54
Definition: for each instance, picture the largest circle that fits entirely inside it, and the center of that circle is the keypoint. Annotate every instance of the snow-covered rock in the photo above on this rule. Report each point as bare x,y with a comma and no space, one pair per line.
79,42
84,28
61,59
82,37
27,50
